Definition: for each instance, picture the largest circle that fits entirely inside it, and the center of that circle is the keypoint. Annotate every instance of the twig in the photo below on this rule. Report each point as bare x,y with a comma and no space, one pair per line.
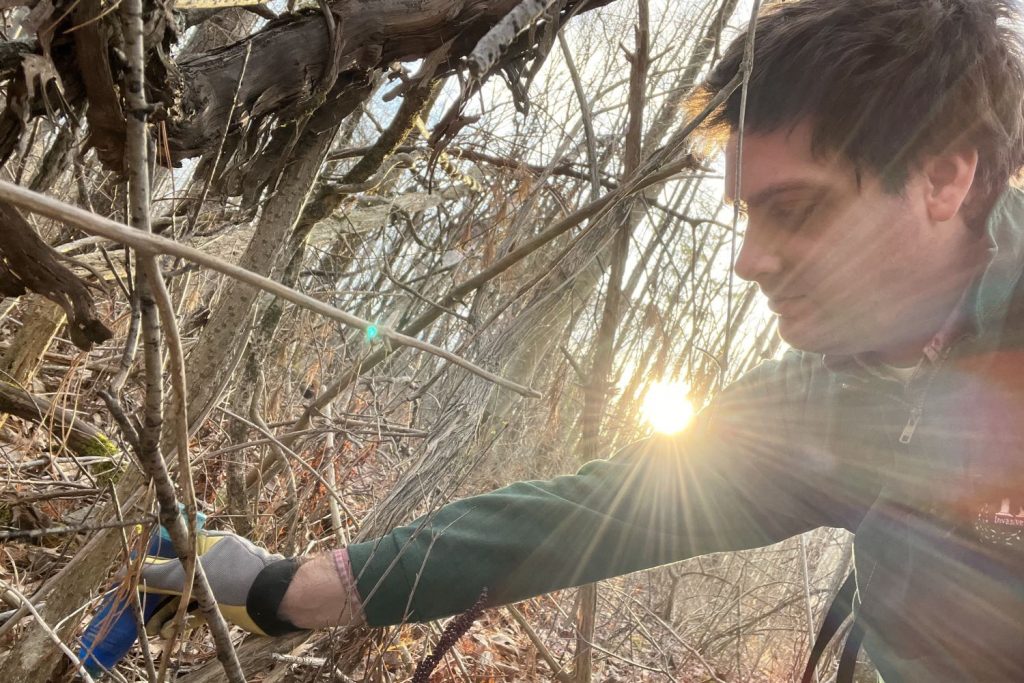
309,468
807,596
416,295
657,168
557,670
694,652
128,430
595,399
136,601
81,437
131,344
155,244
72,493
585,116
11,590
317,662
169,324
402,160
78,528
289,474
746,67
340,534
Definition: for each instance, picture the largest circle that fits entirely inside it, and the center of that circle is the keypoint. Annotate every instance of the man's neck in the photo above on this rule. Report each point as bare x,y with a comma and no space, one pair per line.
905,357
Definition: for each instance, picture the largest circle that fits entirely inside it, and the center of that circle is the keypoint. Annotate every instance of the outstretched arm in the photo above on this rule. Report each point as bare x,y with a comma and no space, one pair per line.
756,468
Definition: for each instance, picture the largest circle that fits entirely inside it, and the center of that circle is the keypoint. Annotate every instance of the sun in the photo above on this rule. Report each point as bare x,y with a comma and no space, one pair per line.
667,407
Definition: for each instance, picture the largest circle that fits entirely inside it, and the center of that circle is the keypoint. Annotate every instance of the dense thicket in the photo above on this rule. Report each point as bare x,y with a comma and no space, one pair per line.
545,219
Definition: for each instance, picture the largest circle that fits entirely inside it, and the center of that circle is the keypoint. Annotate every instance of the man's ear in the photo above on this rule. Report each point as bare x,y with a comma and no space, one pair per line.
949,177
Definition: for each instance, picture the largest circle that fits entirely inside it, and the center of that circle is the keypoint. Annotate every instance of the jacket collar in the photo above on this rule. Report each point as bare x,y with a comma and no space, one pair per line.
1005,228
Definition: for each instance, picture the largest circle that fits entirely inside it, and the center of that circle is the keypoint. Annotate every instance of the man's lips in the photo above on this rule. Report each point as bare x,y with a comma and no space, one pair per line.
783,305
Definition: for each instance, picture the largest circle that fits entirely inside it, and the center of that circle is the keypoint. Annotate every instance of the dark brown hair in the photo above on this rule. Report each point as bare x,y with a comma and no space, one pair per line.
886,82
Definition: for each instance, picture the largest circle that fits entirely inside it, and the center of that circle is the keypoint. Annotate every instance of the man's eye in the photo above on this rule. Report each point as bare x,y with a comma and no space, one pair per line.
792,216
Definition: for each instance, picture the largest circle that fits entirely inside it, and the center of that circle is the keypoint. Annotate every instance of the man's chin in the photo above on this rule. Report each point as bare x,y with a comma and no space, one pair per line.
804,336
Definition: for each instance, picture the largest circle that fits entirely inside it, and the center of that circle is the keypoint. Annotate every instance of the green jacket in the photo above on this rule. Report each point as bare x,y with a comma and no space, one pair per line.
930,478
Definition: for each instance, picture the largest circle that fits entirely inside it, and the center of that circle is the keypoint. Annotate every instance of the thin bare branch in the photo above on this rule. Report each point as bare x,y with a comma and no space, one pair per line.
10,590
155,244
153,295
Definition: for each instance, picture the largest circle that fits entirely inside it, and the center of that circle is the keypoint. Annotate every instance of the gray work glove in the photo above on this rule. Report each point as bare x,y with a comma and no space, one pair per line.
248,583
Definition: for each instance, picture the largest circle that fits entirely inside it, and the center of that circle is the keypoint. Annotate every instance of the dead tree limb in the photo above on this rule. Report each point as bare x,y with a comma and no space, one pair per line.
290,57
28,263
81,437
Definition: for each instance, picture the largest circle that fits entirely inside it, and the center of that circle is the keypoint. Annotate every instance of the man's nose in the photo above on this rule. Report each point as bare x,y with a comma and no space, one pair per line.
760,256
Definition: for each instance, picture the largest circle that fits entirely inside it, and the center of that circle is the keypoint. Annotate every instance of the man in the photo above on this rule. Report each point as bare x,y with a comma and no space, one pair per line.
873,164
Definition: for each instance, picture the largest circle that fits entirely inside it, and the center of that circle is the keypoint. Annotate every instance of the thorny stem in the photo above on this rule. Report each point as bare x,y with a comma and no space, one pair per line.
151,289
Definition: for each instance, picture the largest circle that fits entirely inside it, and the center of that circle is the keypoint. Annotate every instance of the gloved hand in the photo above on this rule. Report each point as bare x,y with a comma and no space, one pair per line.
248,583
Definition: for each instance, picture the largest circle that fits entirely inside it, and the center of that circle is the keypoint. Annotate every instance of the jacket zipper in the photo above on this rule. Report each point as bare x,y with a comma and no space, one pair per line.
917,407
915,417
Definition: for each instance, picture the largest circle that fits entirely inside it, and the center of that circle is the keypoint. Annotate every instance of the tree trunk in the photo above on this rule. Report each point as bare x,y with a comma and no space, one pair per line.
216,355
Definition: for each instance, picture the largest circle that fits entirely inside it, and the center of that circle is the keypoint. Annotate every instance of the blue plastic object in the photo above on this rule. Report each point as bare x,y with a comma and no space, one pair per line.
113,630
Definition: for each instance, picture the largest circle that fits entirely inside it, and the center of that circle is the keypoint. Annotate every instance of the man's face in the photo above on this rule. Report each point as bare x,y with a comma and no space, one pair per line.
847,267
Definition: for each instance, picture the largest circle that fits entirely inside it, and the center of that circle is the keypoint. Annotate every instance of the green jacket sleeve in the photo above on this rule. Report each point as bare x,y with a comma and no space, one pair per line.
753,469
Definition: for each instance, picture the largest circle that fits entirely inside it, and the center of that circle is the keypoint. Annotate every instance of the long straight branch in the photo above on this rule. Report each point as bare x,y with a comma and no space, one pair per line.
154,244
150,287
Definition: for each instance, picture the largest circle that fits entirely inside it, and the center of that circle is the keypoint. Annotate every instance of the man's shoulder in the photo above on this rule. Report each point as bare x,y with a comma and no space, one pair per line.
797,378
795,370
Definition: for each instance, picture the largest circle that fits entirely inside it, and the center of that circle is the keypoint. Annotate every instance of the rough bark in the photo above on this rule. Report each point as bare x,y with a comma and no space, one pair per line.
21,361
288,60
105,116
40,322
28,263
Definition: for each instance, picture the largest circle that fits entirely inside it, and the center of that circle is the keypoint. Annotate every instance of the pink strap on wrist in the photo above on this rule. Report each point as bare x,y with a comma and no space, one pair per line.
355,604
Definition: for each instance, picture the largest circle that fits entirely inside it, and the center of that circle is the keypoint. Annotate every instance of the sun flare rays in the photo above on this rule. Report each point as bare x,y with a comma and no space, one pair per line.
666,407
